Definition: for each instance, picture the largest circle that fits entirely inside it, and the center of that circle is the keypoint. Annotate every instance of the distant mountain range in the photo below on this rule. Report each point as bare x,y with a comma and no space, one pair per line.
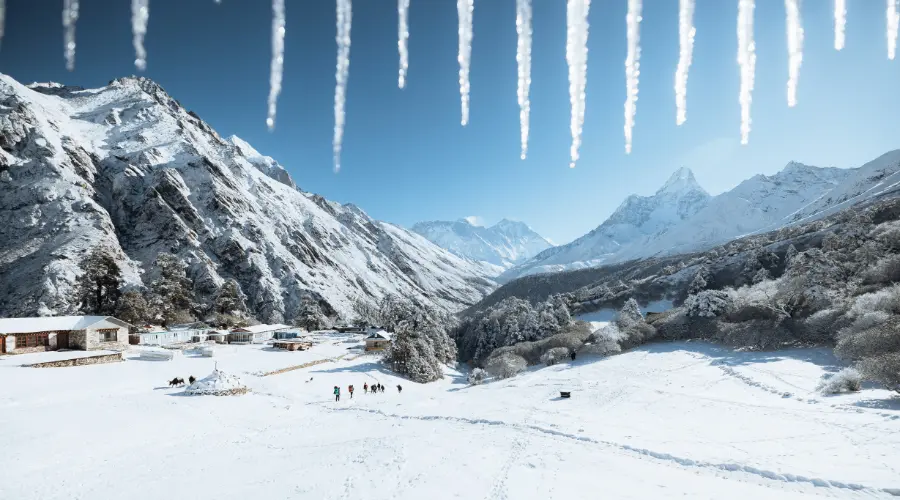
126,168
505,244
681,217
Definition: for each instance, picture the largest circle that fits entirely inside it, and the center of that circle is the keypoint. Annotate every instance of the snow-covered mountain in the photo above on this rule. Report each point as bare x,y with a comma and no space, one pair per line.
506,243
127,168
636,219
682,218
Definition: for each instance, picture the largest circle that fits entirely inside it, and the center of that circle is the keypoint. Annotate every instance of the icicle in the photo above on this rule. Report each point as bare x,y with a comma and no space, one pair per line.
464,9
795,48
344,18
686,32
747,61
69,17
277,64
632,67
840,23
2,18
140,14
893,23
403,39
576,57
523,58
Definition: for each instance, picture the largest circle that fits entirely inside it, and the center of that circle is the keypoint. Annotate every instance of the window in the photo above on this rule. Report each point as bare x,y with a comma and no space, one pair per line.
108,334
24,340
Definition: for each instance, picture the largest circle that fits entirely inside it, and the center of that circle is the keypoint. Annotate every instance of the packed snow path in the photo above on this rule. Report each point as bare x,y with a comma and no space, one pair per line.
681,419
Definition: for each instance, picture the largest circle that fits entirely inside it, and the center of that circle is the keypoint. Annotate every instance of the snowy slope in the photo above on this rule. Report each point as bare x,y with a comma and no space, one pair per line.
760,203
798,193
126,167
625,231
504,244
673,420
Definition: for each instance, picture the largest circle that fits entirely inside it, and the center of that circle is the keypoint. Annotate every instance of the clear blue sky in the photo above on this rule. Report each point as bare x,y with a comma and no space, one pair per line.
406,158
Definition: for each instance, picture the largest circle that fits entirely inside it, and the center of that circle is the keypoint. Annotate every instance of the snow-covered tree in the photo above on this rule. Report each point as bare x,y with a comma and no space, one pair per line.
229,299
477,376
555,355
707,304
171,296
133,308
98,287
309,315
700,282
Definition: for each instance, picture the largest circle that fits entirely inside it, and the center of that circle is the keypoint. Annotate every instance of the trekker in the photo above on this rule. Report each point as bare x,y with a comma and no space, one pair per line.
351,391
399,388
380,387
337,393
573,355
366,387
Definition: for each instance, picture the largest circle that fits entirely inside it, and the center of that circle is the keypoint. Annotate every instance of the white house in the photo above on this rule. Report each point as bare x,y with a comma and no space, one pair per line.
191,332
378,340
20,335
255,334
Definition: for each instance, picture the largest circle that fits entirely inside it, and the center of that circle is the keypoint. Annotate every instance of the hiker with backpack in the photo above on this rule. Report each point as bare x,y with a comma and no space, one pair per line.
350,389
366,387
337,393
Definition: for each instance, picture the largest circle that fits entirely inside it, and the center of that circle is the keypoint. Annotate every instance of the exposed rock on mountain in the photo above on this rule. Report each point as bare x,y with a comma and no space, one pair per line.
126,167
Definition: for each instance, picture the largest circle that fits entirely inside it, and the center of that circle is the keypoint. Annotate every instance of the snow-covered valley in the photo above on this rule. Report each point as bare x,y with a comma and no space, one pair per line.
662,421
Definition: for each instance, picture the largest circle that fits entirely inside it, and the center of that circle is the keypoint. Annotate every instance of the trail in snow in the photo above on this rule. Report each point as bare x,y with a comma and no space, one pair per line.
795,48
893,23
140,14
277,65
344,18
632,67
69,17
523,58
403,39
686,32
576,57
465,10
840,23
747,62
729,467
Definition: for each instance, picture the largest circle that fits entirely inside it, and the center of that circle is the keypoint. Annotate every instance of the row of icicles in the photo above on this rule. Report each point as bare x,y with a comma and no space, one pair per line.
576,56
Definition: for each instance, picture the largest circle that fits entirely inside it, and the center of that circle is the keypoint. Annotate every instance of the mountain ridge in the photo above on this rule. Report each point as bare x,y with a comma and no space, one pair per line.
797,193
504,244
126,168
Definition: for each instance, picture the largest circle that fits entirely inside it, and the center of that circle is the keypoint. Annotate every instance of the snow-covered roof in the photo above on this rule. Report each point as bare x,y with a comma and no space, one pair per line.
58,323
260,328
379,335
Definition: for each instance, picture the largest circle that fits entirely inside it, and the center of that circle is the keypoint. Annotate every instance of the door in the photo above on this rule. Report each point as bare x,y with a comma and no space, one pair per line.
62,340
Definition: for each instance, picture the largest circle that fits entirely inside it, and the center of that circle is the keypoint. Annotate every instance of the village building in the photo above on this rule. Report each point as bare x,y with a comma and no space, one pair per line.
177,334
256,334
378,340
87,333
218,336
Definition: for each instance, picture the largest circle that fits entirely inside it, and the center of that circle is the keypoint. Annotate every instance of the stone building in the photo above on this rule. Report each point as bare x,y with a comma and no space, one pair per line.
378,341
86,333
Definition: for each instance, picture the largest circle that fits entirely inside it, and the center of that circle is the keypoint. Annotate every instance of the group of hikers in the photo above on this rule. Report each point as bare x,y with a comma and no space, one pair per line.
366,388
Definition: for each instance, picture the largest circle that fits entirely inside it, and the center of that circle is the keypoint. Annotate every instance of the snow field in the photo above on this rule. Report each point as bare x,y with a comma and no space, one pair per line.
679,419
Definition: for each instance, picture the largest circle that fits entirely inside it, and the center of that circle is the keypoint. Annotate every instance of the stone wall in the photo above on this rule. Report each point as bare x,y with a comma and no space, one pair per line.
94,342
90,360
78,340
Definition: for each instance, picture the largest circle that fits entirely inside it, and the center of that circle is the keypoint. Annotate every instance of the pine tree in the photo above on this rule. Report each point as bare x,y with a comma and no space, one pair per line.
98,289
511,333
532,328
229,299
171,296
133,308
310,314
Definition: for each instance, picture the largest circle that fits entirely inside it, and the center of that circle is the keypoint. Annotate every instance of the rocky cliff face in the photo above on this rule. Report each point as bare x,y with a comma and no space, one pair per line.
126,167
